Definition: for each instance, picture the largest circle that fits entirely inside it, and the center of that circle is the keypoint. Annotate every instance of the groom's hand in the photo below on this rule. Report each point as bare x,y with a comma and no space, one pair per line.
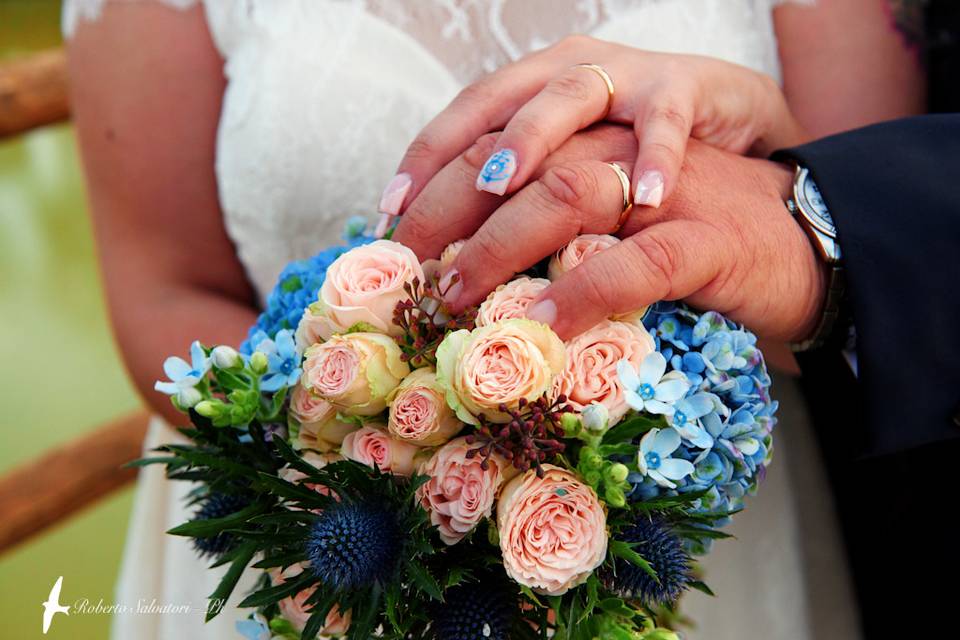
723,241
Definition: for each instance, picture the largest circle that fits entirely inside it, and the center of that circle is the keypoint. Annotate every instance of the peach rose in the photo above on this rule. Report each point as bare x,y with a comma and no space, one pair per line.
319,427
371,445
460,493
295,610
354,372
419,414
451,252
553,530
364,285
510,300
577,251
591,371
498,364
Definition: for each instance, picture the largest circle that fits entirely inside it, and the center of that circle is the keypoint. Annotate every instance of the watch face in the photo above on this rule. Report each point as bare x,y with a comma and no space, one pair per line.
815,208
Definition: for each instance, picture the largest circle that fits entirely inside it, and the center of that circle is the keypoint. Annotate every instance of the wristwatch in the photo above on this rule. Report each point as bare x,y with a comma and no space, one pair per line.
807,206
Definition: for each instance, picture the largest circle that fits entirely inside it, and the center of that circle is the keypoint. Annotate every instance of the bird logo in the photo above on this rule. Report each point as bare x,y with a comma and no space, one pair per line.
52,606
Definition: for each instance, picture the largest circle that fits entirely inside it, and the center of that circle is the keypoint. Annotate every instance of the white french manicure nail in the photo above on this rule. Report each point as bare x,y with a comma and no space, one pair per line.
497,171
386,219
544,311
393,195
649,189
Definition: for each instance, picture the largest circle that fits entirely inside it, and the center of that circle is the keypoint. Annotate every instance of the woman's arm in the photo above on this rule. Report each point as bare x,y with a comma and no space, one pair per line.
146,90
845,65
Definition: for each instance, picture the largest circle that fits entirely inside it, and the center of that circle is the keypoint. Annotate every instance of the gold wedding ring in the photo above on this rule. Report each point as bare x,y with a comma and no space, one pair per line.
607,80
627,200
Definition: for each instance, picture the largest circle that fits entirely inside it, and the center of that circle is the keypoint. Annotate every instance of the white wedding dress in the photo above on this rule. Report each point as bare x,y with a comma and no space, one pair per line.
322,99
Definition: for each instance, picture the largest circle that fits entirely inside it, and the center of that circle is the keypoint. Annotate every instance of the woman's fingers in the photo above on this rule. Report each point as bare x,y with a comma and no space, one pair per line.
663,128
449,208
575,99
567,200
668,261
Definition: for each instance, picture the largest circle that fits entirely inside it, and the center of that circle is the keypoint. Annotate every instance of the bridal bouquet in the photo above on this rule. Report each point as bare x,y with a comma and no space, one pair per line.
398,471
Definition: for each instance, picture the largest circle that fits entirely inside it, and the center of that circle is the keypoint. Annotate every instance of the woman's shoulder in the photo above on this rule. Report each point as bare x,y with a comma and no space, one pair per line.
75,11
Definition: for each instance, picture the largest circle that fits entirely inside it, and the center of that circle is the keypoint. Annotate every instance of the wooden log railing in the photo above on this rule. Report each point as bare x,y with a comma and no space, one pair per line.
33,92
64,480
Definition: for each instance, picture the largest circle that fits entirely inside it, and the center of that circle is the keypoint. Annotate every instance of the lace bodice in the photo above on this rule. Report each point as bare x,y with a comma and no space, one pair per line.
324,95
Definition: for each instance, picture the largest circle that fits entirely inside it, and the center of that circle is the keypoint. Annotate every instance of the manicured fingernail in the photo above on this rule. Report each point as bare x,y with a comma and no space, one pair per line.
649,189
497,171
451,285
544,311
386,219
393,195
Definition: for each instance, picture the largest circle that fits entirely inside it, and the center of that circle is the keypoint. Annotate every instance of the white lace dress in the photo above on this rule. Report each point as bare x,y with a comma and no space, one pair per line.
322,99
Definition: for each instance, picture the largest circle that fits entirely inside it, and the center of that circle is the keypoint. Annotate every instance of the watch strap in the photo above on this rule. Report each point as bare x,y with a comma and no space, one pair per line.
832,311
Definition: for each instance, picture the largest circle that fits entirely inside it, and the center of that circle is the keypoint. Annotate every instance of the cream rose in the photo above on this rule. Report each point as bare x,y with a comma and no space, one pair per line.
498,364
319,427
295,610
553,530
372,445
419,413
460,492
577,251
510,300
354,372
591,371
364,285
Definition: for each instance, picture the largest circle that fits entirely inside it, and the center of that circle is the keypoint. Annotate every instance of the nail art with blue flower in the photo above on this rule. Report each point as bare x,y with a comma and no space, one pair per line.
497,172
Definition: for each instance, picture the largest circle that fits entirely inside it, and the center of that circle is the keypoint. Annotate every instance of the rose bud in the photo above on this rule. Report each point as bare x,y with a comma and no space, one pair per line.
372,445
509,301
354,372
577,251
319,427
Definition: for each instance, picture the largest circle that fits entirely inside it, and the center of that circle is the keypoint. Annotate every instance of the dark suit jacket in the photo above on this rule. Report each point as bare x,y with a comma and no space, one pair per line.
891,436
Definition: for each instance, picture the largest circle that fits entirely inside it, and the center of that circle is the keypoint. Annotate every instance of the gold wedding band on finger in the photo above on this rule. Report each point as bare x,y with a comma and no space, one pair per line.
607,80
627,200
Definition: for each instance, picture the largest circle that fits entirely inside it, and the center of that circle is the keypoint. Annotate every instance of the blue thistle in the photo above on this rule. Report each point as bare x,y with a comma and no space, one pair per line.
218,505
352,545
482,609
663,549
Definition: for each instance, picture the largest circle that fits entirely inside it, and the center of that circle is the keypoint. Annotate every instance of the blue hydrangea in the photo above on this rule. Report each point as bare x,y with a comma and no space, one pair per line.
298,285
726,417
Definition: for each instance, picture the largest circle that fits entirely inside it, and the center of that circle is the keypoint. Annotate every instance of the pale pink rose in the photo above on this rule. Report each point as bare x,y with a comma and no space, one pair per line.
460,493
451,252
419,414
364,285
501,363
510,300
553,530
311,328
371,445
319,427
591,371
354,372
295,610
577,251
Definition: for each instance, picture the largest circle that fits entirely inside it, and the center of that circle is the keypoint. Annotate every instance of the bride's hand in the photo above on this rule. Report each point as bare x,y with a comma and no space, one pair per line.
541,100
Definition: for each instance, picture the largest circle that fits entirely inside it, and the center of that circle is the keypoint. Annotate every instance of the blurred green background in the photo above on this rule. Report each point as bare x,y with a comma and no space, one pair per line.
52,312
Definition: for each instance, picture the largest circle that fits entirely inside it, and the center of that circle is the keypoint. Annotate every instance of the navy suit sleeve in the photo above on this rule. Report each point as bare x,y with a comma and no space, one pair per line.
893,190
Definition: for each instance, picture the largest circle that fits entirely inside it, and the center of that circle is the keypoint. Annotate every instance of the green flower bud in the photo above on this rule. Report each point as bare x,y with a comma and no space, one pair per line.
571,424
593,478
207,408
259,363
660,634
188,397
616,473
590,459
615,496
595,417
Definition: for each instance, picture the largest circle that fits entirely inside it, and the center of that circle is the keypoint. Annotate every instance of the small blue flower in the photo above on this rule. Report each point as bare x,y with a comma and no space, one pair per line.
283,361
254,628
685,416
651,389
653,458
184,377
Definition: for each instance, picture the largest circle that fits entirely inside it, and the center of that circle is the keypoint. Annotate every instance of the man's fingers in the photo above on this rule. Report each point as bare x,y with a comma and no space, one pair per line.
663,130
665,262
569,102
567,200
449,208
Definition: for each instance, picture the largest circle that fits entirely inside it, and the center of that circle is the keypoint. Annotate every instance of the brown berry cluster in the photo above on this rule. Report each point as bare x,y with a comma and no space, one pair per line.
532,437
425,320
